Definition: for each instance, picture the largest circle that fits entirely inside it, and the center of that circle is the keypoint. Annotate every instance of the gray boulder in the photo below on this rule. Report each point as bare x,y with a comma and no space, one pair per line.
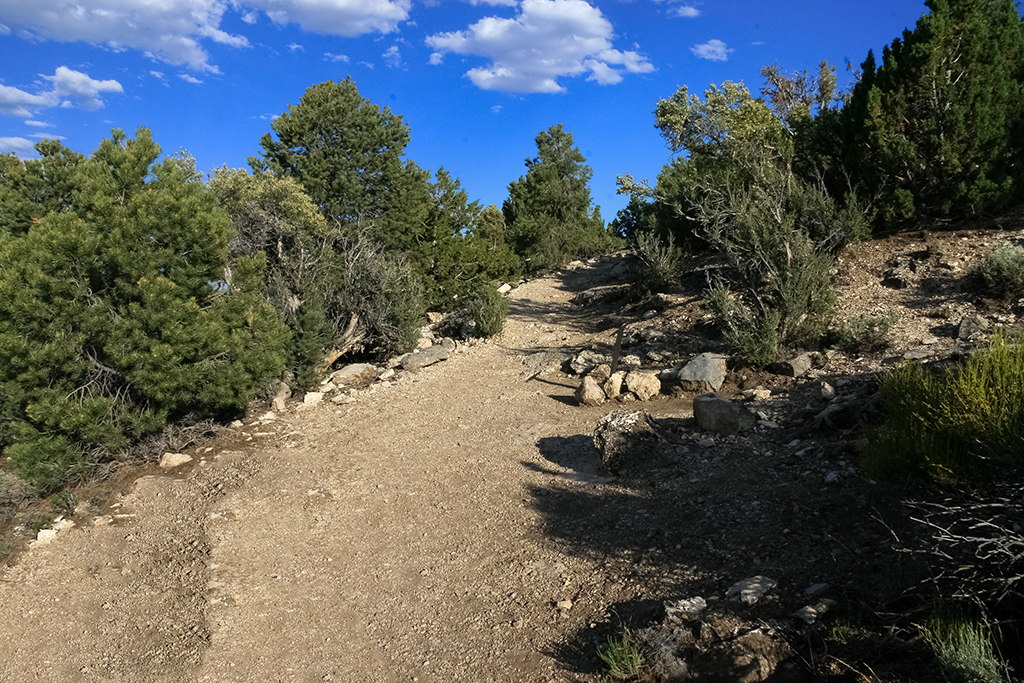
722,416
972,327
704,373
795,367
354,373
425,357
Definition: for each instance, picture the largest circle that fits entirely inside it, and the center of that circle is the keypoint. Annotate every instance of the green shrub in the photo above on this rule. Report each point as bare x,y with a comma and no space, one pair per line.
957,427
963,648
1002,272
488,309
660,260
867,333
13,491
754,337
122,310
623,657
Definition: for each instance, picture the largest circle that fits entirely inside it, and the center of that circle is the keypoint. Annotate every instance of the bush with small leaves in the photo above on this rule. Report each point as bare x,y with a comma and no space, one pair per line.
1002,272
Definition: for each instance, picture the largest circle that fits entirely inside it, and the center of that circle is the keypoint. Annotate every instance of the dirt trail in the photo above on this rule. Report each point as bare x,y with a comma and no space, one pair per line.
393,539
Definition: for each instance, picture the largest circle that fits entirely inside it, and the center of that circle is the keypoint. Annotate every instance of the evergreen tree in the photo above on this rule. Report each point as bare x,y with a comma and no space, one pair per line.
548,213
120,308
935,130
347,154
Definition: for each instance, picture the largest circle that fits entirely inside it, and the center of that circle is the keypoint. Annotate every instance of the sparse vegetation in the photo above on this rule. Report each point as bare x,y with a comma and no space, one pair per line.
864,334
962,643
960,426
659,259
623,657
1002,273
488,310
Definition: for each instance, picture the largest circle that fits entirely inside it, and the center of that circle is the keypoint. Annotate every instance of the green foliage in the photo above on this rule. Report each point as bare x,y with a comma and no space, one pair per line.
660,260
1002,272
65,502
957,428
13,491
963,647
936,129
488,309
118,312
777,234
548,214
865,334
347,154
623,657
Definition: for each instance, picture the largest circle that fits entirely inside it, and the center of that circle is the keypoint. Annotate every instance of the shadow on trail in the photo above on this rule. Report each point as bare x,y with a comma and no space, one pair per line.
695,521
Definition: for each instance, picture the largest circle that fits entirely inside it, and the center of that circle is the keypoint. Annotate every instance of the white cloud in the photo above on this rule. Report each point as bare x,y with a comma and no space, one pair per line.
436,59
547,40
157,74
715,50
189,79
392,57
65,83
173,31
348,18
335,58
16,145
46,136
685,11
5,30
496,109
38,124
295,46
506,3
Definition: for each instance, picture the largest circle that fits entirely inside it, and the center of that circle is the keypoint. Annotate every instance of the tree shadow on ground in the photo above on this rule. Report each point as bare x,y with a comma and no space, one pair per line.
700,519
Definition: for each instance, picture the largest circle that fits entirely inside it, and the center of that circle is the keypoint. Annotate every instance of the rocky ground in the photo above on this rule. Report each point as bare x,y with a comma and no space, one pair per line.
456,523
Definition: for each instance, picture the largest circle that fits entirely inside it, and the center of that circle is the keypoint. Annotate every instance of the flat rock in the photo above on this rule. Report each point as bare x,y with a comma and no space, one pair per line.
685,609
972,326
749,591
919,353
425,357
354,373
721,415
170,460
705,373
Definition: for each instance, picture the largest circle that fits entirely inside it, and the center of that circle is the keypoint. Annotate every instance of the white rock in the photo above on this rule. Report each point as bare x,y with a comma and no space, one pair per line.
174,460
564,604
312,398
751,590
45,536
644,384
505,288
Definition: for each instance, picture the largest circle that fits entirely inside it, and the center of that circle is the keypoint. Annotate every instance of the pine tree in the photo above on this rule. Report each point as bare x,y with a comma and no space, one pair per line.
548,213
934,130
120,310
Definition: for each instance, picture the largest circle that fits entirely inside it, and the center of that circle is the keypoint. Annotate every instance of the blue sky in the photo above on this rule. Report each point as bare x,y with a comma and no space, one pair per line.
475,80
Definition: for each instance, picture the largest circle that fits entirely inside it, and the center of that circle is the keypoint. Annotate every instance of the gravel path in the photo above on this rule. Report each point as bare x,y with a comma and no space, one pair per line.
392,539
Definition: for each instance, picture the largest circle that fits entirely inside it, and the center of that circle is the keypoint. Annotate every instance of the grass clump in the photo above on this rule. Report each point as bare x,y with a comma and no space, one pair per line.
957,427
963,648
623,657
1002,272
867,333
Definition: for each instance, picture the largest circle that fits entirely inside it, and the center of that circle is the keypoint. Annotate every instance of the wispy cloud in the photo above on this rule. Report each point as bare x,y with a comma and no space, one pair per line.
335,58
295,47
189,79
38,124
714,50
496,109
547,40
392,57
18,146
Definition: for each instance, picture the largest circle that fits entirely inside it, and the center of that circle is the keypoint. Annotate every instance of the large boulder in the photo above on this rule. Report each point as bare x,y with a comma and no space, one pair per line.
644,384
354,374
625,438
705,373
722,416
